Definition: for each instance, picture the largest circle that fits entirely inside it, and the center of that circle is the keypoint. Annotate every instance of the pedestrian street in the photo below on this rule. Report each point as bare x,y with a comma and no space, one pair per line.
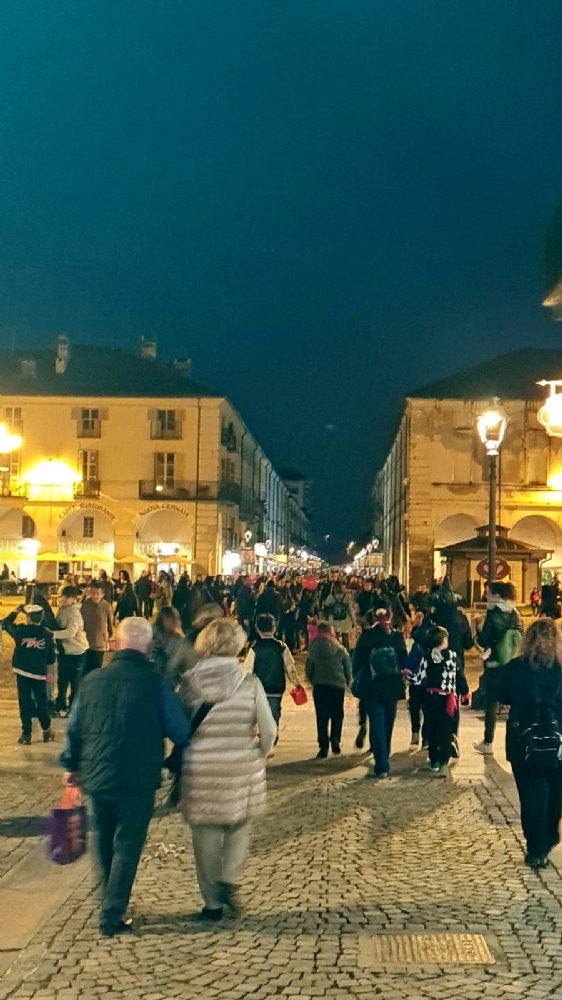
338,864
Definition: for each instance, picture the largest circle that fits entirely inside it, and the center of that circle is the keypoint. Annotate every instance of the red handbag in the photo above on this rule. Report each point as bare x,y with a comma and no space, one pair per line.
299,696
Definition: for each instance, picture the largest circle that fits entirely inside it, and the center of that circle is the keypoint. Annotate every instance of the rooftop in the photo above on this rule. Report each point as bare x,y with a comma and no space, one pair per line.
509,376
94,371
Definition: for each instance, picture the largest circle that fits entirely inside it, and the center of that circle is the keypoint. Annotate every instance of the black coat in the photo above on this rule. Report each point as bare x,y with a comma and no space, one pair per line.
522,688
377,638
457,625
119,727
269,603
127,603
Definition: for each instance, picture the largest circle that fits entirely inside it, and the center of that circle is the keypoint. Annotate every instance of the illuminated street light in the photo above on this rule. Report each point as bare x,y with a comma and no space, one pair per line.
491,425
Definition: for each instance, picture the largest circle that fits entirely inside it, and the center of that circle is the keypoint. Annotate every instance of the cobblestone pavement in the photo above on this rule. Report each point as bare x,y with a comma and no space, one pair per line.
336,860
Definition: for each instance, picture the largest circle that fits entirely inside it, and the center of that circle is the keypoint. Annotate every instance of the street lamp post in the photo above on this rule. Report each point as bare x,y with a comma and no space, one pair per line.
491,425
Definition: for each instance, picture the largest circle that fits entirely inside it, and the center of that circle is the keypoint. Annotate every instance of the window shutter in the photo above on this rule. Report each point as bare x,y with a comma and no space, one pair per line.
104,414
152,415
180,415
76,413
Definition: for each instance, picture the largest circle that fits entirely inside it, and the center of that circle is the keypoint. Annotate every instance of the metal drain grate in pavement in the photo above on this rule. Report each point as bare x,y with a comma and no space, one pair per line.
424,949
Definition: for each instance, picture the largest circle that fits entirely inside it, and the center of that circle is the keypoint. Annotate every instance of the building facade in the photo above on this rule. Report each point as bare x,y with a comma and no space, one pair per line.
433,489
126,463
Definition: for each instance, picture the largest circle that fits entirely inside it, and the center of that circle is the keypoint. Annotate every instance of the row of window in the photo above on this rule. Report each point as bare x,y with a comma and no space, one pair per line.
164,423
88,466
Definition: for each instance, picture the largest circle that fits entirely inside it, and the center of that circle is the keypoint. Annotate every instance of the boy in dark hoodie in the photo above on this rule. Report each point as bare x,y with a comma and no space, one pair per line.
34,653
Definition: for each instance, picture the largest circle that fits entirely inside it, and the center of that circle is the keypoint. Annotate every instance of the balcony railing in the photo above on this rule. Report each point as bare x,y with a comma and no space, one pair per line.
251,509
8,489
89,429
152,489
89,488
230,492
160,433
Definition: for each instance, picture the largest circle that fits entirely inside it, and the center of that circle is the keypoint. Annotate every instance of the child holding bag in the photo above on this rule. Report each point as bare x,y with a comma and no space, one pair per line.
444,681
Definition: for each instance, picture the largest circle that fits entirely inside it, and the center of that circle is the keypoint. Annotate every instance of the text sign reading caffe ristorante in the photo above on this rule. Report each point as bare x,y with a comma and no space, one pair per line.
87,505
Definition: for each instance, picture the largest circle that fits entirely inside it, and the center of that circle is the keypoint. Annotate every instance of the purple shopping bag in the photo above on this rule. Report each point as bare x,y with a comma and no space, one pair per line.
67,829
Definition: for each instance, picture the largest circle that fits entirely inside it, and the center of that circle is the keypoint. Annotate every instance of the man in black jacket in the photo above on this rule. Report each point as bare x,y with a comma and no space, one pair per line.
114,752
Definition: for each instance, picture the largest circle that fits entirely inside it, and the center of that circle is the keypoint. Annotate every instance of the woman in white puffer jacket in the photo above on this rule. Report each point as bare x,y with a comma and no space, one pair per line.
223,774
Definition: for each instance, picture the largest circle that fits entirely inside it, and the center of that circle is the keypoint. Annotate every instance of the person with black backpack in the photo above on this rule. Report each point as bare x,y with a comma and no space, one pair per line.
531,684
272,663
379,685
338,610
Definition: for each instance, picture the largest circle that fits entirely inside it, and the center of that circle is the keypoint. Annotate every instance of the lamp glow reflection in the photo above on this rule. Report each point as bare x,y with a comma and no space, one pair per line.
52,480
8,442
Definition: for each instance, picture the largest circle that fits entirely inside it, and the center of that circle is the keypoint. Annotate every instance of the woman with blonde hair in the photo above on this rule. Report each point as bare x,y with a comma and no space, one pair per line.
531,685
223,775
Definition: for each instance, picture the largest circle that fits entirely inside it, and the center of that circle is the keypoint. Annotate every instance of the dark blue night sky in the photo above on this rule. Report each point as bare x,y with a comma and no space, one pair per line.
322,202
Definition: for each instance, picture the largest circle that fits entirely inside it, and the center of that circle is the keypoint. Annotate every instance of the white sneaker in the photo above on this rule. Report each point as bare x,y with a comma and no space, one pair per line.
484,748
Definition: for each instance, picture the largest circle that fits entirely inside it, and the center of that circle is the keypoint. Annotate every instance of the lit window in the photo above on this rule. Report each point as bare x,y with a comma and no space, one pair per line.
164,468
89,466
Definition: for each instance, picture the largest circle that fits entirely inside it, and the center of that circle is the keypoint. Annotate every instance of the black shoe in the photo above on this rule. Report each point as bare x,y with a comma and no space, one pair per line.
48,736
321,755
123,927
535,862
229,897
336,749
361,735
25,740
209,916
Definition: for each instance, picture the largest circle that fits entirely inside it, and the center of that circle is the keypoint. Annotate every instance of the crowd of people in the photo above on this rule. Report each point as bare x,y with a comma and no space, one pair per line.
206,663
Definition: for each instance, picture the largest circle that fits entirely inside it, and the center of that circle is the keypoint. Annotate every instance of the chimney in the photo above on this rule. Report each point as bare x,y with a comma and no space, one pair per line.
148,349
182,365
28,367
63,354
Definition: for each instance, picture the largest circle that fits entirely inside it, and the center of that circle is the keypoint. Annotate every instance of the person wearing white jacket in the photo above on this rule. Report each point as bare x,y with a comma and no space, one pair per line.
223,773
72,645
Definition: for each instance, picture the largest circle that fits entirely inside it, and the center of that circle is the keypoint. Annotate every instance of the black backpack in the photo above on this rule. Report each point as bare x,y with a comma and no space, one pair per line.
384,662
542,740
380,679
339,610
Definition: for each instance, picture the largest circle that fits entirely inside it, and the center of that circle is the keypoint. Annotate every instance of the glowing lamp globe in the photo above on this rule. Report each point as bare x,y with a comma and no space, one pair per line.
491,426
550,413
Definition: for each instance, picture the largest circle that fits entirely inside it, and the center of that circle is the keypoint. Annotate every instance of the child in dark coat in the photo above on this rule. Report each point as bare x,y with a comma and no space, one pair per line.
444,681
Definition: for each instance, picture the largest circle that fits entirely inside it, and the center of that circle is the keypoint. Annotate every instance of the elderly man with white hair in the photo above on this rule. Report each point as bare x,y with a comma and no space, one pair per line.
114,752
